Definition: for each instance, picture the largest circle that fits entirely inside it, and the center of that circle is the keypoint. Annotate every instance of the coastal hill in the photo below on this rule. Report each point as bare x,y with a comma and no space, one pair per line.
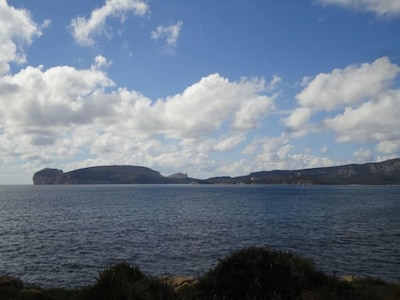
106,175
387,172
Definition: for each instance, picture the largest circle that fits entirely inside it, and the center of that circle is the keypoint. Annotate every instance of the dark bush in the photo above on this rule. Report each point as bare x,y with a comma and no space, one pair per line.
118,282
260,273
123,282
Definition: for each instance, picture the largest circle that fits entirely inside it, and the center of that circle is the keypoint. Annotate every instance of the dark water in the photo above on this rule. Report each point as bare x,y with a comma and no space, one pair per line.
63,235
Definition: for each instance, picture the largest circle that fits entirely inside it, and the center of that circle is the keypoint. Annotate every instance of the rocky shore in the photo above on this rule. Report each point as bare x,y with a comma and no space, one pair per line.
250,273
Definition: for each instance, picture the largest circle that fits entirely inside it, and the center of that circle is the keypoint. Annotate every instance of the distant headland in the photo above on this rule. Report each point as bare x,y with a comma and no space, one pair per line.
386,172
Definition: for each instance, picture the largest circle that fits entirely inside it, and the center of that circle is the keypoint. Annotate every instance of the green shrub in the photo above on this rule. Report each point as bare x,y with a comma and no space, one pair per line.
123,282
260,273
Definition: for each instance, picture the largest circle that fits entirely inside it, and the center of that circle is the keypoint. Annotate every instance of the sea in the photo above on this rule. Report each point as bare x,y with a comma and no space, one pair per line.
63,236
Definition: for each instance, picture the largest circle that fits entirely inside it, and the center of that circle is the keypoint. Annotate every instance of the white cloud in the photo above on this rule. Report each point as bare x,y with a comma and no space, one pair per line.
363,155
376,122
237,168
276,80
101,62
298,119
59,96
84,30
46,23
169,33
324,149
379,7
16,30
349,86
391,147
277,153
371,121
225,144
204,107
350,89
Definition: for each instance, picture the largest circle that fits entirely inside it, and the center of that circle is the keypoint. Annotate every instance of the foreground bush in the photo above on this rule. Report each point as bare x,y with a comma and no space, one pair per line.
121,281
259,273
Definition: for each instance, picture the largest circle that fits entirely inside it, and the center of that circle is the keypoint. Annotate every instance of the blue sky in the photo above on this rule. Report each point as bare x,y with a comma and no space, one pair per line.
206,88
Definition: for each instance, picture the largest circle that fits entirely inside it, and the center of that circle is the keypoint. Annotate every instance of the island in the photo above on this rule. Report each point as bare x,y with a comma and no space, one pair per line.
379,173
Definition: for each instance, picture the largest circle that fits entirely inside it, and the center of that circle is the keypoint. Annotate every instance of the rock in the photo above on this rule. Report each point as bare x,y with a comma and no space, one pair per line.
179,176
49,176
10,287
11,282
179,282
348,278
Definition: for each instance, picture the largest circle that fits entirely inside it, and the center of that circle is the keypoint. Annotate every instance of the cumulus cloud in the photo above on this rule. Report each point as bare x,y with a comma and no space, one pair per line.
84,30
204,107
379,7
391,147
348,86
277,153
376,121
363,155
17,29
101,62
228,143
169,33
348,91
298,119
41,109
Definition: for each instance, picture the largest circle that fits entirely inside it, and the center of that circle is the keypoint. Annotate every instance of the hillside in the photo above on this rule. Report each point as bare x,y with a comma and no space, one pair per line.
100,175
387,172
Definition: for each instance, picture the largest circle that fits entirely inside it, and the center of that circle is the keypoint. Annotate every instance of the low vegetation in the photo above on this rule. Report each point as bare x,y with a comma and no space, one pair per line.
250,273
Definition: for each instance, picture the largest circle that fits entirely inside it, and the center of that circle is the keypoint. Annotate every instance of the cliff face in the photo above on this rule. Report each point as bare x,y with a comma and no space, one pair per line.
49,176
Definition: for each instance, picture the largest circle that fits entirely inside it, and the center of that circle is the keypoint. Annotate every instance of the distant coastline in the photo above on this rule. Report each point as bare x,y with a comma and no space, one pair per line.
380,173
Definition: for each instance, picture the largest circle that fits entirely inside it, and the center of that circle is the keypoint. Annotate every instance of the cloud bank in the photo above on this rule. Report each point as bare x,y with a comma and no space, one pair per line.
70,117
362,103
349,88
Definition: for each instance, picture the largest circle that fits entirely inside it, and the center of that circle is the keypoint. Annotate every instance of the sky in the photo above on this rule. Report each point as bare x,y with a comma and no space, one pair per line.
207,88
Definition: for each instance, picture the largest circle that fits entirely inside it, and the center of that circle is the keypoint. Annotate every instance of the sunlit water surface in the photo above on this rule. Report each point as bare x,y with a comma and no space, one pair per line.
62,236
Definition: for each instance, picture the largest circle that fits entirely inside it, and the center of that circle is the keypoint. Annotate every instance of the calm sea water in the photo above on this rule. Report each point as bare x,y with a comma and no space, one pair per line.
63,235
